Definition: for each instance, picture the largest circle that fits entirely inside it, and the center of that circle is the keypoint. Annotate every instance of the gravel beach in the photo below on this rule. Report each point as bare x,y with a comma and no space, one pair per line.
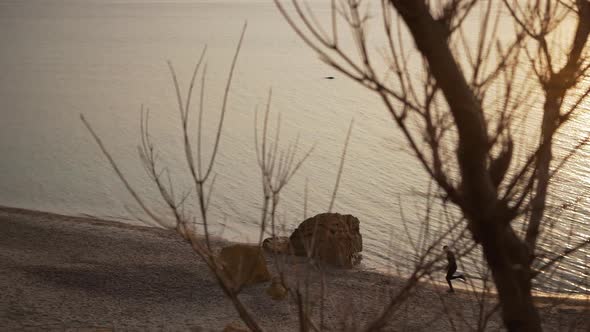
79,274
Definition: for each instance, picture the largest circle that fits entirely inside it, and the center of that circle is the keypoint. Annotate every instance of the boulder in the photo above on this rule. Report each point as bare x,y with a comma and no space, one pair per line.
337,240
244,265
234,327
277,291
277,245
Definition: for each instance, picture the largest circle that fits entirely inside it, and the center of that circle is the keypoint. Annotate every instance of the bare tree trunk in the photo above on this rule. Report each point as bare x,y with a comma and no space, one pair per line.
508,259
505,253
551,109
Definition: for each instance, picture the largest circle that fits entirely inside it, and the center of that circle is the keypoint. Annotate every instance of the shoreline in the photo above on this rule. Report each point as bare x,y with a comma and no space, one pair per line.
80,272
221,241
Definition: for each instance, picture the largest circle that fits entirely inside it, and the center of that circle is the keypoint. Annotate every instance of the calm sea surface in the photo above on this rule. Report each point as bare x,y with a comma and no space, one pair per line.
105,59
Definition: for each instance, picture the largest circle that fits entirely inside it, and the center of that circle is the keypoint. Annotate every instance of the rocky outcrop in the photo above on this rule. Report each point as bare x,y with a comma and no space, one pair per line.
244,265
337,239
277,245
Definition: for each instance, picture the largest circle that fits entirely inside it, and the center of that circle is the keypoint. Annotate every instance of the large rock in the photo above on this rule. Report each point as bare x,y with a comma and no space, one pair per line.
234,327
244,265
277,290
277,245
337,240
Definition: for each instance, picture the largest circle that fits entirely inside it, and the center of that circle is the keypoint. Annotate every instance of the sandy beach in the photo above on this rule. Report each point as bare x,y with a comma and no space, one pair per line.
71,273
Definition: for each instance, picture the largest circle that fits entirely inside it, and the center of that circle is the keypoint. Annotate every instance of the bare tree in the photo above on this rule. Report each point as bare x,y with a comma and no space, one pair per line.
469,108
278,163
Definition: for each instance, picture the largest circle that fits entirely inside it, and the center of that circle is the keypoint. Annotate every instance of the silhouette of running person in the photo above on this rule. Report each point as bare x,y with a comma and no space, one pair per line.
452,268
